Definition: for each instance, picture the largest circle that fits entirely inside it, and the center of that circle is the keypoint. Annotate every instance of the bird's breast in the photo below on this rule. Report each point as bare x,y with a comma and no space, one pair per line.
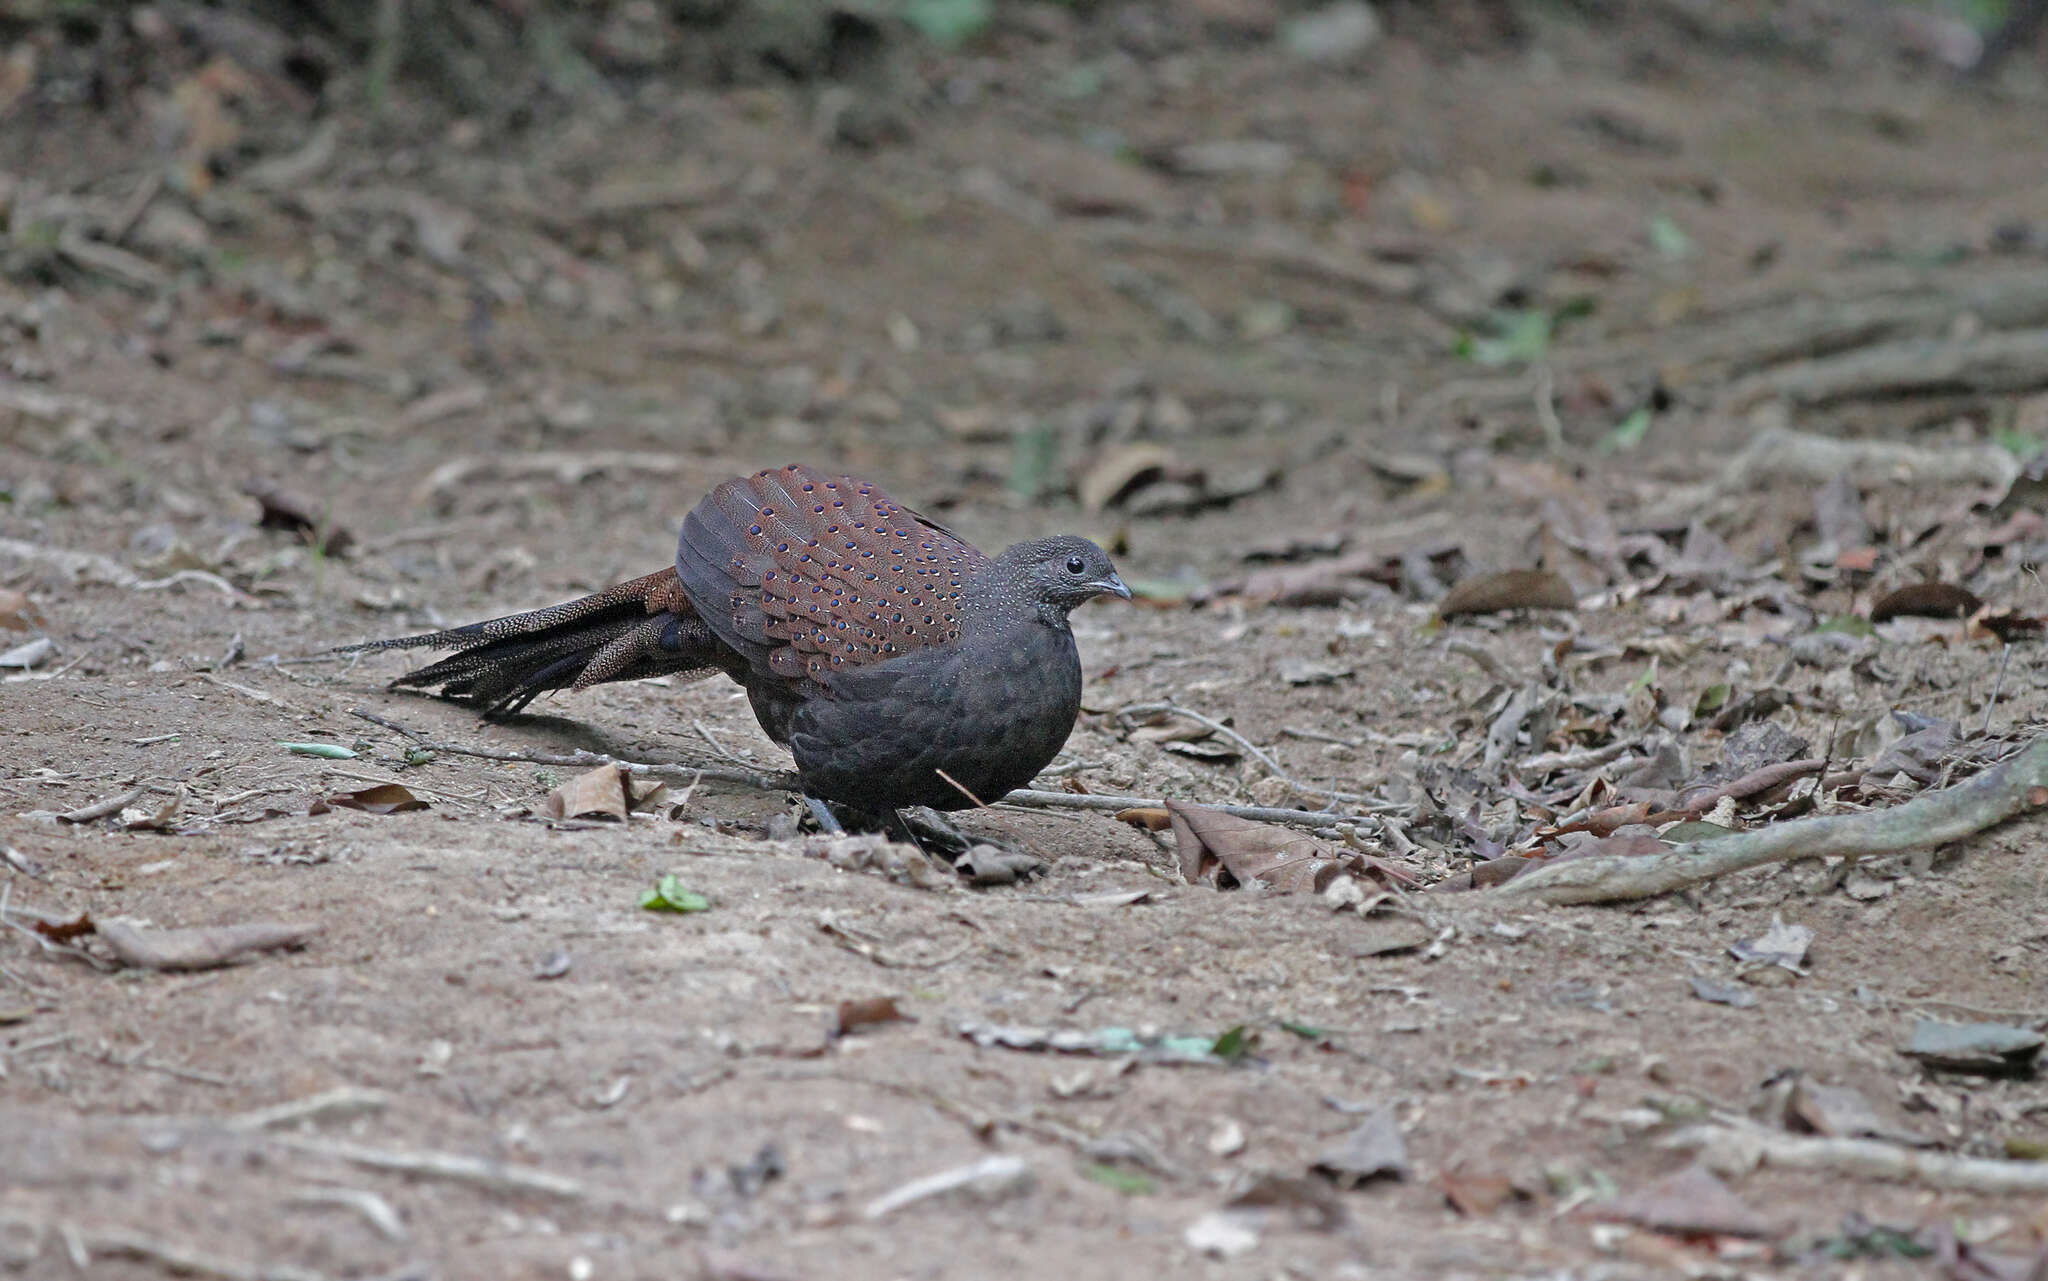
989,713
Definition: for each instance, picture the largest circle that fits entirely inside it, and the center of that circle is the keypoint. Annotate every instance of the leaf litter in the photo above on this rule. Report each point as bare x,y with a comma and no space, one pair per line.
1731,588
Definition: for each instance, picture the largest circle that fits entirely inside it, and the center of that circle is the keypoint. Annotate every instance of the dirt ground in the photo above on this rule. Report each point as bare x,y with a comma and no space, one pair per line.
507,364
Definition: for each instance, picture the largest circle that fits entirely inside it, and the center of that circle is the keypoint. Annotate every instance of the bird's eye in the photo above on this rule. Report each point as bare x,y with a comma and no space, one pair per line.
1075,565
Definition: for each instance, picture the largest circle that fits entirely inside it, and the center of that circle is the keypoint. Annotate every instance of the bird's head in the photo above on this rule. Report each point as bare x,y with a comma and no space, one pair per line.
1060,573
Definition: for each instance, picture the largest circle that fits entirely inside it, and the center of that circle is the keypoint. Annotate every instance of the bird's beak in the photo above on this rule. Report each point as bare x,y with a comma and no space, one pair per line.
1114,585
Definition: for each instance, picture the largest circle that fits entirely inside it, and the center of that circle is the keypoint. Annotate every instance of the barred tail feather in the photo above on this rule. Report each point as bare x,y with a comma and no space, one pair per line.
641,628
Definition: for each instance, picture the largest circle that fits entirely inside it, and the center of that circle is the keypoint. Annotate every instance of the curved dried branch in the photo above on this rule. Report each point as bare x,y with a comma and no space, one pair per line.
2018,784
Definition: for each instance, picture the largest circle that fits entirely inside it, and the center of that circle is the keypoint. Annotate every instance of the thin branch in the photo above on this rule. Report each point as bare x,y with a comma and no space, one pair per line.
789,782
718,749
476,1171
1258,753
779,782
1741,1144
107,808
393,726
2004,657
1322,820
182,1259
2015,786
1484,659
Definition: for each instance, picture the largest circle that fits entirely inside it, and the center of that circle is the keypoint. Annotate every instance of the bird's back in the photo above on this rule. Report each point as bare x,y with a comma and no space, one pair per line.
806,574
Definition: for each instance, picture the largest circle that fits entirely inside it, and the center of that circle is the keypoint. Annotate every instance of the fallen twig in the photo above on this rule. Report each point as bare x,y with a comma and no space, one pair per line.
199,948
1258,753
1482,658
90,565
1698,801
336,1104
42,940
789,782
177,1258
565,467
1319,819
2009,361
1281,252
869,948
102,809
2012,787
991,1177
1781,456
495,1175
393,726
372,1207
778,782
1738,1144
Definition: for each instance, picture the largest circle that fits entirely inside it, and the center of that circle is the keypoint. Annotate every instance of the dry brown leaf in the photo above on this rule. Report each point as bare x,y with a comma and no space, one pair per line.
206,122
1842,1113
2004,625
385,798
1308,1203
17,73
1602,822
1838,516
64,931
1237,851
1704,560
1692,1201
1622,846
1373,1149
1120,471
595,793
1387,935
1166,728
854,1015
1498,871
1508,589
1968,1261
1150,817
1326,582
17,612
150,948
1295,547
137,819
1925,600
1474,1194
1215,751
295,514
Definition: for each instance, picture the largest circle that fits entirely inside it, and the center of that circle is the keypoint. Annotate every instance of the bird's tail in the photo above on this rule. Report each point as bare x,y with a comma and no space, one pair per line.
641,628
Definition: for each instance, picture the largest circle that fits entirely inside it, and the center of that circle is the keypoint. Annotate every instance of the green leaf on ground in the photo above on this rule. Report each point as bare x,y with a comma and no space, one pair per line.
1518,338
948,22
1668,238
1128,1182
325,751
2020,444
668,895
1628,433
1233,1044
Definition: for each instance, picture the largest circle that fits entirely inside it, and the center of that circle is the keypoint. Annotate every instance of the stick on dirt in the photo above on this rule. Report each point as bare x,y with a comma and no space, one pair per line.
494,1175
787,782
1744,1145
2014,786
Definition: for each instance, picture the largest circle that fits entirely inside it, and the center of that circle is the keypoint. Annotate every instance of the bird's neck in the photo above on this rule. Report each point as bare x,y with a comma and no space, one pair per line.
998,597
998,609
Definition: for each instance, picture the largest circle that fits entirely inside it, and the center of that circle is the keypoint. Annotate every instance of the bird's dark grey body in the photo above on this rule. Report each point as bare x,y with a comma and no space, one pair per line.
987,716
899,665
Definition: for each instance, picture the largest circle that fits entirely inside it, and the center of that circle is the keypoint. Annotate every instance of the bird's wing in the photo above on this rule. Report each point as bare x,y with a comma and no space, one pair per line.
805,573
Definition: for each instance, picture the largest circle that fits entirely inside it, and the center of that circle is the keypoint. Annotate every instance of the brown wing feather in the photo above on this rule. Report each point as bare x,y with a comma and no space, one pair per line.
804,572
